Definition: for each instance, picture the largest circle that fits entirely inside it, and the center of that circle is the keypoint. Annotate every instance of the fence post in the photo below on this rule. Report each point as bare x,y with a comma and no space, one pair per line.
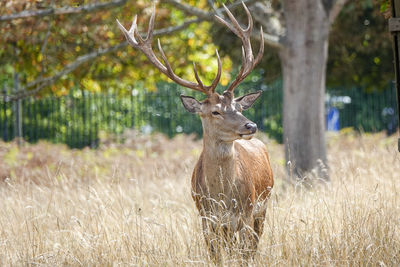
5,130
18,112
394,28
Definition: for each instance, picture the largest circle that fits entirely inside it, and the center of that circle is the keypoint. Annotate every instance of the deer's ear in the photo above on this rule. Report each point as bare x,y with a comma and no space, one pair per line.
247,101
191,104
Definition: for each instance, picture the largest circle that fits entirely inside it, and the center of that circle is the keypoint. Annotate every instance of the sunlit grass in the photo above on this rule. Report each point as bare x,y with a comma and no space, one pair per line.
131,205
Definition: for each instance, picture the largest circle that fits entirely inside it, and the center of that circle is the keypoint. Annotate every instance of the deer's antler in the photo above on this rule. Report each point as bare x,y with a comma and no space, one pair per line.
248,61
145,45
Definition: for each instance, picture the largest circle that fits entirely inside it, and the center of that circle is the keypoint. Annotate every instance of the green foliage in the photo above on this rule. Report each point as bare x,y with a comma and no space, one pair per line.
22,49
385,6
274,127
360,48
223,1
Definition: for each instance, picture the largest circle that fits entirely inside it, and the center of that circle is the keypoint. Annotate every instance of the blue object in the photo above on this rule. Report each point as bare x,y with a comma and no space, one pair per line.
332,120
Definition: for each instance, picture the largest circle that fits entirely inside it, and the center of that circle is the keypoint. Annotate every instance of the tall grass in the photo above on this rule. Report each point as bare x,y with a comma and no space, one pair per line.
130,205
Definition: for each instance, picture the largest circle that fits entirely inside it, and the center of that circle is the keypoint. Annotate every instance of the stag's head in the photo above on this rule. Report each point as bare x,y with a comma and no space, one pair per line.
221,115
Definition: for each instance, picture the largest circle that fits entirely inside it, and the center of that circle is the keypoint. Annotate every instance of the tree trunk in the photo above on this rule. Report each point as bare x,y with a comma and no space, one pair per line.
304,61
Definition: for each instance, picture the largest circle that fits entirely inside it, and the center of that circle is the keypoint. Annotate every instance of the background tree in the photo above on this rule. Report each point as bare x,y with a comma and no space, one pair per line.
65,42
304,58
300,31
360,48
56,45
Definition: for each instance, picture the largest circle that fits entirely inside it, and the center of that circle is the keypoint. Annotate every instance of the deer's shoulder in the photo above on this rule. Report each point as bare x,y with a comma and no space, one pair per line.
253,146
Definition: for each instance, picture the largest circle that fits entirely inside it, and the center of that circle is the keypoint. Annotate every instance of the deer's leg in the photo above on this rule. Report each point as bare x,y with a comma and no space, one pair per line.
212,240
259,224
248,240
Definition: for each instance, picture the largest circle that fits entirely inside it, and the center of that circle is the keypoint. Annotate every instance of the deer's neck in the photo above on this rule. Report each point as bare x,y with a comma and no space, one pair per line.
218,161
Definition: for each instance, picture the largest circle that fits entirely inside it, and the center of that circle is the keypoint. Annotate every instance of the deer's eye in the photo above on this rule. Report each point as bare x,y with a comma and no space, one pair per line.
216,113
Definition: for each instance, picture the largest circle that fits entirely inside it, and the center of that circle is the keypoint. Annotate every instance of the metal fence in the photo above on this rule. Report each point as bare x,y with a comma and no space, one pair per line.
79,118
367,111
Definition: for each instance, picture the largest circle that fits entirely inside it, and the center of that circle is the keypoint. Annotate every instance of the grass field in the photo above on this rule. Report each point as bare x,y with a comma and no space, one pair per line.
130,205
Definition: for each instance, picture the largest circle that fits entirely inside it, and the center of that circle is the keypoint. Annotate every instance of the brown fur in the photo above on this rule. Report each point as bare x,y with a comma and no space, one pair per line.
253,172
231,181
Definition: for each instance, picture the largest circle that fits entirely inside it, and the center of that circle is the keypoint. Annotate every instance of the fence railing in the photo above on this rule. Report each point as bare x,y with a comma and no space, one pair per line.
368,111
79,118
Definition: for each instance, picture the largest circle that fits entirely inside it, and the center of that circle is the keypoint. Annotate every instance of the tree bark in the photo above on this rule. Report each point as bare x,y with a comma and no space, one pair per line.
304,59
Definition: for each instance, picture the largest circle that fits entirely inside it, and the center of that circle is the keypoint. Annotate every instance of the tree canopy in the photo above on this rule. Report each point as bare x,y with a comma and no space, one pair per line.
40,46
360,51
360,48
44,38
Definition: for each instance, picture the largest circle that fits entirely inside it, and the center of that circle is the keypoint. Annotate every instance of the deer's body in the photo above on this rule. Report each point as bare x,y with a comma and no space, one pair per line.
233,178
239,177
238,173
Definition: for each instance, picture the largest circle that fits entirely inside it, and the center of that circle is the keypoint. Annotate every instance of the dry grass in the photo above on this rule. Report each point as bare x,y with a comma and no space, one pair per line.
131,205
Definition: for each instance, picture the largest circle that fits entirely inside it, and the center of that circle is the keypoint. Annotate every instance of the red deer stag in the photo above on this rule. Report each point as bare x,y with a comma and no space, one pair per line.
232,178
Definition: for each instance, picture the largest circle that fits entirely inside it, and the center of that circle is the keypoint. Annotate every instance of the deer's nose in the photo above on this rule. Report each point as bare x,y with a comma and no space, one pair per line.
251,126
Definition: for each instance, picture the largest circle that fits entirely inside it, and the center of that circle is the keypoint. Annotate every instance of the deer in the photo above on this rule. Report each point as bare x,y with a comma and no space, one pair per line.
232,179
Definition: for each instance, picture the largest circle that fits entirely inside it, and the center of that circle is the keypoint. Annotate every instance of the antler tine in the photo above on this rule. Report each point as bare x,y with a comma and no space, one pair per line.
139,37
149,36
240,74
250,19
248,61
133,26
218,77
128,35
145,45
210,89
197,76
235,28
261,51
167,65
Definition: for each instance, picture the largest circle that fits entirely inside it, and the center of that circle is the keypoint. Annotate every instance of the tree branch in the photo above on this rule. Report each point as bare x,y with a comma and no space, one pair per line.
210,16
270,39
212,6
335,10
41,83
43,49
191,10
62,10
271,20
